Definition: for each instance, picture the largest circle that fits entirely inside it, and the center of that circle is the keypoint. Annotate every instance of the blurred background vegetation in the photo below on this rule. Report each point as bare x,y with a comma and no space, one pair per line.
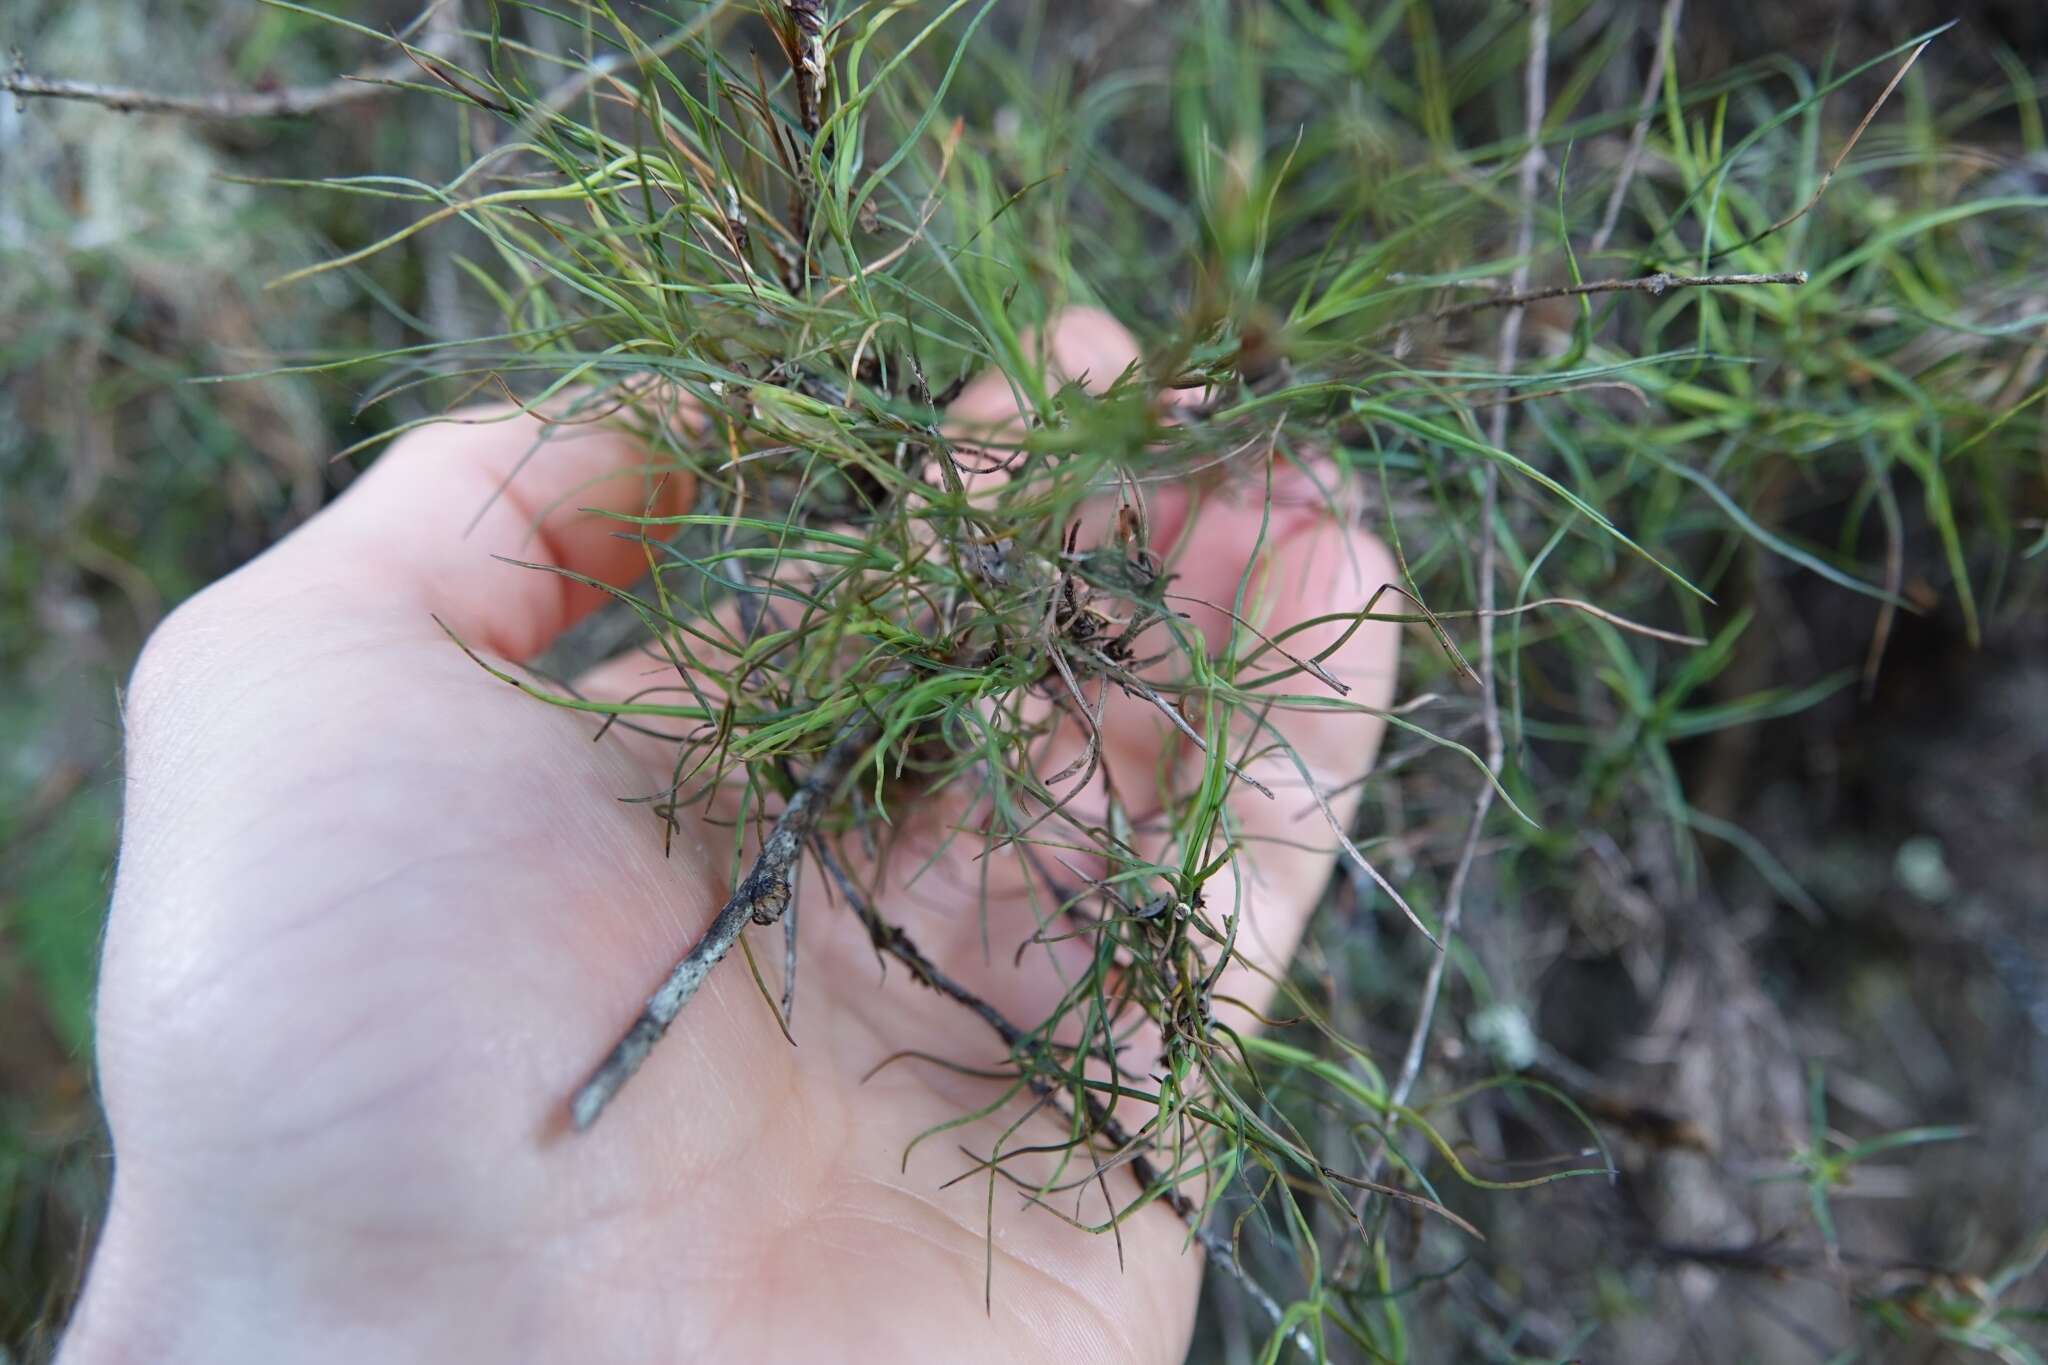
1786,905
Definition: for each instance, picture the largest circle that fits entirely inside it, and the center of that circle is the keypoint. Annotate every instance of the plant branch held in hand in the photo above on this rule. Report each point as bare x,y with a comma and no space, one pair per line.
762,897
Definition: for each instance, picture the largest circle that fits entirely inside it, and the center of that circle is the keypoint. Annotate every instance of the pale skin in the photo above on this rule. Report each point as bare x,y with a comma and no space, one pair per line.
377,914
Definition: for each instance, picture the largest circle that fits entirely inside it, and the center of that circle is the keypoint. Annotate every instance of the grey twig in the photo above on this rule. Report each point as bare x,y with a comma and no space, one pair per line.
789,955
807,61
1535,102
890,939
1655,284
762,897
559,96
448,315
290,102
1667,34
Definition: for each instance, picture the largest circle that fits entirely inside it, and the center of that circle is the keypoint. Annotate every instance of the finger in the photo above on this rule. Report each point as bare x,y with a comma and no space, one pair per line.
1084,346
1312,564
426,526
687,670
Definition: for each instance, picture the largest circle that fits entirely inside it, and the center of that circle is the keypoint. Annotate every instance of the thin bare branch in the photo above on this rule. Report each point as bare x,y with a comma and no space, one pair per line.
1667,34
1611,618
789,919
762,897
1535,100
226,105
807,60
1655,285
1308,666
1400,1195
1129,682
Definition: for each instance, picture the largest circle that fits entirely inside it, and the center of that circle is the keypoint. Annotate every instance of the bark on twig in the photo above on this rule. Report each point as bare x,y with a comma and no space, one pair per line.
802,35
807,62
1667,34
290,102
1656,284
762,897
447,299
1535,101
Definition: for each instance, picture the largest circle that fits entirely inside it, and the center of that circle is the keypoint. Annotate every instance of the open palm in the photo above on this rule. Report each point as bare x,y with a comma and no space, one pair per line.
378,913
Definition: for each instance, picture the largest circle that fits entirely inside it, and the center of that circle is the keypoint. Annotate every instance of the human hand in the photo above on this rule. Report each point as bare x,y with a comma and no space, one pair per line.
377,914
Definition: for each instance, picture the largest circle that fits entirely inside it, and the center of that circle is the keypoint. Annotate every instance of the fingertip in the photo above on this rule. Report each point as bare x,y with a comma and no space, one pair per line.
1087,346
1327,566
1079,345
433,519
1323,566
1268,545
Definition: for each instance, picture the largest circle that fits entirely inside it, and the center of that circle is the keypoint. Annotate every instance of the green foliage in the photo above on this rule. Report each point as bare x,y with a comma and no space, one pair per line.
1304,208
1977,1314
1827,1162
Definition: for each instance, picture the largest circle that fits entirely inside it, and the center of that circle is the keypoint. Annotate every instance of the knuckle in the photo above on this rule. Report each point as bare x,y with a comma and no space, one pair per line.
175,657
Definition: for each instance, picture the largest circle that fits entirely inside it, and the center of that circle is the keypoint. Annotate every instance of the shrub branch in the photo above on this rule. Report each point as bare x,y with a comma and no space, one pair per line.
1535,101
224,105
763,896
1654,285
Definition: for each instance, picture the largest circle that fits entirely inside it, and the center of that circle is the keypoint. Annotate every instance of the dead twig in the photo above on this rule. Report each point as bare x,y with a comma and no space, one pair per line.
1125,679
1535,101
1654,285
807,59
1617,621
1667,34
762,897
801,33
226,105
